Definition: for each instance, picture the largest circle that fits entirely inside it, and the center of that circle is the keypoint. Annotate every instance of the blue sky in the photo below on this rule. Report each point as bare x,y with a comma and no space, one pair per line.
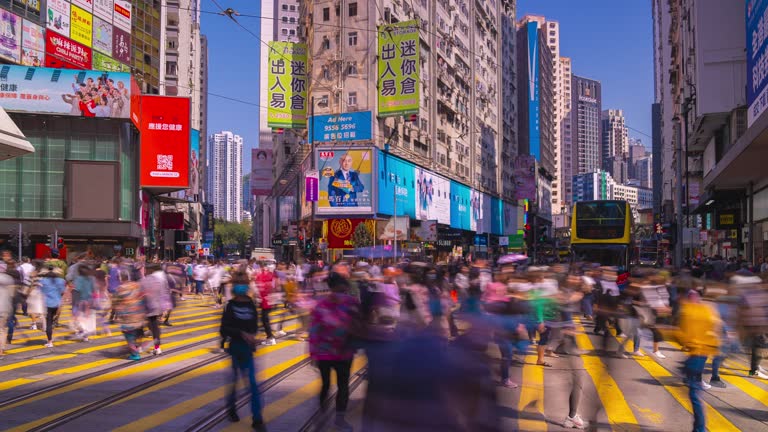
608,43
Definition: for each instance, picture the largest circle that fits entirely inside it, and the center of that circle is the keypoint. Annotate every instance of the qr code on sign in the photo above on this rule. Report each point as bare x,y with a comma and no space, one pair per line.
165,162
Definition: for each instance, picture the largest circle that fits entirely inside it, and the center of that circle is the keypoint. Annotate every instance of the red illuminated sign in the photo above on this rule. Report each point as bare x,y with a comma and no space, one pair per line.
67,50
164,127
135,102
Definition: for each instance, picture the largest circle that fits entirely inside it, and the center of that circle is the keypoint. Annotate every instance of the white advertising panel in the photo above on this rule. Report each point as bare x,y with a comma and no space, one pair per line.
433,197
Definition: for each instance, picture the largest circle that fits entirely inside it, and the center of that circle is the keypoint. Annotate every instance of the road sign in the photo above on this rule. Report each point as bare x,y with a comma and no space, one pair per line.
206,251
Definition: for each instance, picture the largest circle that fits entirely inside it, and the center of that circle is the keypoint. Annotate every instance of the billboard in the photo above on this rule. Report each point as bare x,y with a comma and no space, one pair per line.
165,135
509,212
497,216
340,232
524,177
426,232
396,228
104,9
32,44
66,92
396,182
58,17
460,206
533,90
81,26
757,70
398,69
355,126
121,17
261,172
10,36
67,50
86,5
102,36
305,204
105,63
287,83
480,208
194,164
345,181
433,196
121,45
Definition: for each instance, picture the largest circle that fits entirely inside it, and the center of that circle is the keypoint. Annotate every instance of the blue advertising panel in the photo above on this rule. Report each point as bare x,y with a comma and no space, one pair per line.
66,91
194,164
497,218
355,126
757,63
460,210
533,90
396,180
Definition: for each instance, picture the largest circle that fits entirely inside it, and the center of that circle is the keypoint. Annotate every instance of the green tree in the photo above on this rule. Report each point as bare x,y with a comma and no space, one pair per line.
231,237
362,236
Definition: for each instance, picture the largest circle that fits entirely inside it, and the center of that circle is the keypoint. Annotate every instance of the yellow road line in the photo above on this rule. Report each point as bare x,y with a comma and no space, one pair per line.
16,382
532,396
35,361
616,407
83,367
26,427
187,406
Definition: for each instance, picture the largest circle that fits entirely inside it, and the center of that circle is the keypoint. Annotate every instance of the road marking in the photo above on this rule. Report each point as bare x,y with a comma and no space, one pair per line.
28,426
190,405
616,407
532,396
83,367
35,361
16,382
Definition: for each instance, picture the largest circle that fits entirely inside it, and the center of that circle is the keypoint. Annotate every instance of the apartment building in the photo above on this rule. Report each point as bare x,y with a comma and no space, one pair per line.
225,186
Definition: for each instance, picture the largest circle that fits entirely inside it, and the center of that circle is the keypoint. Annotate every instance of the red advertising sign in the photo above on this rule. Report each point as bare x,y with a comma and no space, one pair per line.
135,102
67,50
121,45
164,128
340,232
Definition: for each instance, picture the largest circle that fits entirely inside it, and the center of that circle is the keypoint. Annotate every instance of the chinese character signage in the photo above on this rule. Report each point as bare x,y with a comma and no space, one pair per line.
287,85
757,59
73,92
398,69
102,36
165,136
354,126
86,5
533,90
340,232
58,17
32,44
122,15
311,185
121,45
10,36
67,50
261,172
81,23
345,181
104,9
106,63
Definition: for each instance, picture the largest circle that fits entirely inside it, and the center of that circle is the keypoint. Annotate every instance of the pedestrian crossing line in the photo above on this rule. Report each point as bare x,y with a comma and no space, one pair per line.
28,426
211,335
35,362
532,396
141,367
17,382
217,395
122,342
83,367
294,399
616,407
715,420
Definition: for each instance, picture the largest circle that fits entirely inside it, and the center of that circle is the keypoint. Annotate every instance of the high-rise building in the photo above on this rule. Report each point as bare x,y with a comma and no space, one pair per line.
509,97
225,186
203,106
565,172
600,185
146,33
286,20
586,125
643,171
615,134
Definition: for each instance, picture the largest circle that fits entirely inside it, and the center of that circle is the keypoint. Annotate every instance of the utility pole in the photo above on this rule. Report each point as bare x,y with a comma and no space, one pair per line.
679,195
312,164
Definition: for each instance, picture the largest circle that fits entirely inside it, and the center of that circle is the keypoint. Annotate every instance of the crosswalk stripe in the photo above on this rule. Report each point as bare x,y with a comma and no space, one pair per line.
616,408
17,382
35,362
532,396
83,367
161,417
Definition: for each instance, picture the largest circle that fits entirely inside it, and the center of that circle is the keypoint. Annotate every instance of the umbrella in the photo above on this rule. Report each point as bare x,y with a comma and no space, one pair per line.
512,259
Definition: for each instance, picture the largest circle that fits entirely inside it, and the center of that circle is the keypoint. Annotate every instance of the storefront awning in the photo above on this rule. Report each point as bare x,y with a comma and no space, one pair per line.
12,141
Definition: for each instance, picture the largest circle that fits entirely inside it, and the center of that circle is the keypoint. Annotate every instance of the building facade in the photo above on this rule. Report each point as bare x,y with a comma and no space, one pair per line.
586,109
615,134
225,186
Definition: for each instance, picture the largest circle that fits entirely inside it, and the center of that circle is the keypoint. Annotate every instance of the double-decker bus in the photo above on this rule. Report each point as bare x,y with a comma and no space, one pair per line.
601,232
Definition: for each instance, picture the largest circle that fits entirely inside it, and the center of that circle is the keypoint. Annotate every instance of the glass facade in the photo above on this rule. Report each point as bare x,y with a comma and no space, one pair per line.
145,39
33,186
29,9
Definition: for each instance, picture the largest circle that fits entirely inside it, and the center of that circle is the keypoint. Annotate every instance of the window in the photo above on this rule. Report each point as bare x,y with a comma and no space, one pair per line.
285,19
292,20
326,73
353,9
352,69
293,8
326,14
285,7
326,43
352,99
352,38
293,32
285,31
323,102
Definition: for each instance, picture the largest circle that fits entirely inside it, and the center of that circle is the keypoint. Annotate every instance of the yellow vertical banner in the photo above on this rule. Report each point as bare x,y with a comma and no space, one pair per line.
81,26
287,85
398,69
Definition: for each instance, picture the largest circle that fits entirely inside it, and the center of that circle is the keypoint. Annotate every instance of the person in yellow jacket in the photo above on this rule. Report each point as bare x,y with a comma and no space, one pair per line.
700,333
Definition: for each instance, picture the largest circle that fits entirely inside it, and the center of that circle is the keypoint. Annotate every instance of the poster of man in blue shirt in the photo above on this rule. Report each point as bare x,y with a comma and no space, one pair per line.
345,184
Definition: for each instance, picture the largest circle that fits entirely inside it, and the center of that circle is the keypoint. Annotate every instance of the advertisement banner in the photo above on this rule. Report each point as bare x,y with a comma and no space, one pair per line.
86,5
121,17
311,185
396,228
58,17
306,207
287,85
194,165
354,126
165,135
509,212
480,205
102,62
81,29
135,105
261,172
67,50
345,181
121,45
524,177
104,9
426,232
497,216
757,63
533,90
10,36
102,36
396,183
398,69
460,210
32,44
340,232
433,196
42,94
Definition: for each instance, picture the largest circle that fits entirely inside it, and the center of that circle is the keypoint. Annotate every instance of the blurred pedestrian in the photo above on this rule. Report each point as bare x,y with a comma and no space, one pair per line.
157,295
130,312
52,285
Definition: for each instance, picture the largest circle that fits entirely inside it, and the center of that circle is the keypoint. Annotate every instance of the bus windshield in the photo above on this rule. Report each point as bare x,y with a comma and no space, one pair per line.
607,255
600,220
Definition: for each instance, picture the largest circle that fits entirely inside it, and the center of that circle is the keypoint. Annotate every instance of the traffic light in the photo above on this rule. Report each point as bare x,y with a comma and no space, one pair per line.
527,232
49,240
542,234
60,243
308,248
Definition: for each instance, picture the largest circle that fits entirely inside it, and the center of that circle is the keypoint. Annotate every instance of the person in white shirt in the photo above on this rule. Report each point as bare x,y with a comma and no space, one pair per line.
200,274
